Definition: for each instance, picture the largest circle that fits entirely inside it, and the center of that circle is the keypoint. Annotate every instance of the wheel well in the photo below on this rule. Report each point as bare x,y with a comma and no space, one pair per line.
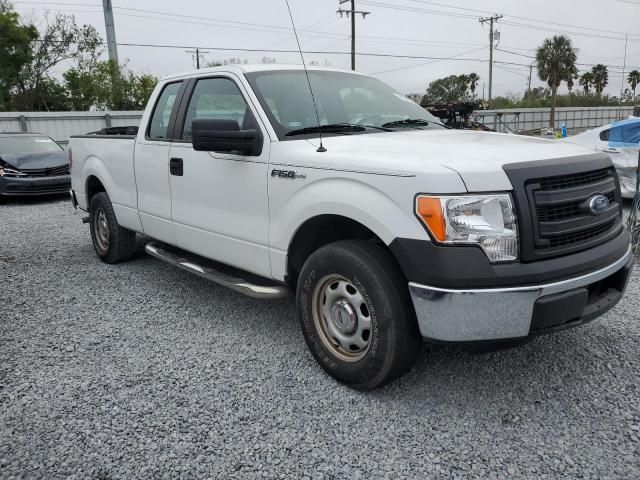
93,186
318,232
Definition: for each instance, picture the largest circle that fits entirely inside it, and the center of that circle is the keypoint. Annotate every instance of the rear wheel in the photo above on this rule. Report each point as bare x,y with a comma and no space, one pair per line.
356,314
111,242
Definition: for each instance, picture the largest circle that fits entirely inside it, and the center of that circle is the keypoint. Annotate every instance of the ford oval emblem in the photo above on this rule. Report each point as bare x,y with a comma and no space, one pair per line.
598,204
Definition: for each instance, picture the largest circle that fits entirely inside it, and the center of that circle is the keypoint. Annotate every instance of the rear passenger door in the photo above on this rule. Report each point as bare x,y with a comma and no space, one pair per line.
219,200
151,159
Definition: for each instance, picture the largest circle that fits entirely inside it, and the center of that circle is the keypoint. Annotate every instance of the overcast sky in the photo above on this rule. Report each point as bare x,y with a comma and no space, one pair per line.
438,28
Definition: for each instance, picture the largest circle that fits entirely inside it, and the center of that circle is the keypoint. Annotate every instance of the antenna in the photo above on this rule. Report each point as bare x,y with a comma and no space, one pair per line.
306,72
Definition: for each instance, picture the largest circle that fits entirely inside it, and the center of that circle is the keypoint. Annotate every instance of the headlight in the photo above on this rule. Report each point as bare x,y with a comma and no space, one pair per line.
488,221
10,172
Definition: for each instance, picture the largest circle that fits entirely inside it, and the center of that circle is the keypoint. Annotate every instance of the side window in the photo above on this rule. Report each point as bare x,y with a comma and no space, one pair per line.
216,98
162,111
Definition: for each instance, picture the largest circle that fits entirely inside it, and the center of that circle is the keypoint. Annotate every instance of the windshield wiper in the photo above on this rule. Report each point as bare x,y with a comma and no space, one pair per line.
410,122
336,128
331,128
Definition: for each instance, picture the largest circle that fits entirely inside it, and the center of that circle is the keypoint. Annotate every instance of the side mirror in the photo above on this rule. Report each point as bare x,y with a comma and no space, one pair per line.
225,136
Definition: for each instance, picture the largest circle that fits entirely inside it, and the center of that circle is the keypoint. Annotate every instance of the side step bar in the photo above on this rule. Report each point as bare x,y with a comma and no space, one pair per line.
205,269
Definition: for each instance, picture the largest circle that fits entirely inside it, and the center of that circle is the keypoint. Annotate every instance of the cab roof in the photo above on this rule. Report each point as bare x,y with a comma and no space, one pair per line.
241,69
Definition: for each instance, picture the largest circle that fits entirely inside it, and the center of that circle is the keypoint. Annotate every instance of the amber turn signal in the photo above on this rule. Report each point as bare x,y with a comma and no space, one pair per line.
429,209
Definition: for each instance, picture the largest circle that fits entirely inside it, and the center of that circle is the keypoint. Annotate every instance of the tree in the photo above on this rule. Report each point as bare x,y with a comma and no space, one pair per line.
60,41
15,51
451,89
573,76
634,80
555,61
415,97
586,81
97,89
600,77
474,78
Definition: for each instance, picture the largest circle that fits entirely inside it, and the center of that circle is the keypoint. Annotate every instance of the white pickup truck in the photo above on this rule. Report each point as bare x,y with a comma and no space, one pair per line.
389,228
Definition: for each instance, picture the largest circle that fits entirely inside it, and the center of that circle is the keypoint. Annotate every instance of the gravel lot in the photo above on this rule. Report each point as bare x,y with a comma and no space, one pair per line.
140,370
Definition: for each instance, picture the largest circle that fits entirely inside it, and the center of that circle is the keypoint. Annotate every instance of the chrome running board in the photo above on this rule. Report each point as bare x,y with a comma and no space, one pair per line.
207,269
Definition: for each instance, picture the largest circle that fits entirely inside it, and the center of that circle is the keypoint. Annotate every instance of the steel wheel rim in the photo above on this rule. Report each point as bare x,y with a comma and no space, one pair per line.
342,318
101,229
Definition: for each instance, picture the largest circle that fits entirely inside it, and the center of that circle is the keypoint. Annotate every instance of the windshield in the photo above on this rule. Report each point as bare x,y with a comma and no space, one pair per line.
342,98
27,144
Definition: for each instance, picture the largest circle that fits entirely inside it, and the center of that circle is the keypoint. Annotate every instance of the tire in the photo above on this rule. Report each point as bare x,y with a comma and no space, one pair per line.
111,242
349,282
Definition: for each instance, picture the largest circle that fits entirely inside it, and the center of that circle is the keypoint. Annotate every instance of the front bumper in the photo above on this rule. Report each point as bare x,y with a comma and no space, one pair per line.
17,186
468,315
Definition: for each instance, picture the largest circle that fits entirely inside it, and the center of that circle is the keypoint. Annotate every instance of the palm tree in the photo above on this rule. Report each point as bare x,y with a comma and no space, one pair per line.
555,61
634,80
473,83
600,77
573,75
586,80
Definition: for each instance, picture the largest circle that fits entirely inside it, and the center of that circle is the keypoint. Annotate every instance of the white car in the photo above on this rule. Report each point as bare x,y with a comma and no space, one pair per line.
621,141
389,229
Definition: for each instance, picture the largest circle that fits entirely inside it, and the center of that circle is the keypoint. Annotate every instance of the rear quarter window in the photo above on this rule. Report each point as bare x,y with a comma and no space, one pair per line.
159,124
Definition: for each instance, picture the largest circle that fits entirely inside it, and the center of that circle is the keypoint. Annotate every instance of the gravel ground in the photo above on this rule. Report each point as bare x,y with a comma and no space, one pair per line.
140,370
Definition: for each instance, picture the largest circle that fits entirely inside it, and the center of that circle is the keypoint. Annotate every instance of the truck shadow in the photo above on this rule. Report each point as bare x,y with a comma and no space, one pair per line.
546,370
533,374
33,199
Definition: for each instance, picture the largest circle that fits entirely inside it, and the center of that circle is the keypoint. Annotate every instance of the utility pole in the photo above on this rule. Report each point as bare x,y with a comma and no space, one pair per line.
196,54
624,65
111,31
352,13
530,75
112,47
491,20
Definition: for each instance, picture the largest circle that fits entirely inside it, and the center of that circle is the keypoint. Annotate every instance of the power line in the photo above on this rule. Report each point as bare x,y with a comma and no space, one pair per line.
505,22
520,17
453,57
577,63
267,50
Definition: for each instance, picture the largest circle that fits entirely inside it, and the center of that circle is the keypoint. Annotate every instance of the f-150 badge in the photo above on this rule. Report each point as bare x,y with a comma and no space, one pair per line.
287,174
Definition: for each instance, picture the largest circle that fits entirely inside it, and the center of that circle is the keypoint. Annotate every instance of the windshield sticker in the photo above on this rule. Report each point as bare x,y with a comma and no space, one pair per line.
294,124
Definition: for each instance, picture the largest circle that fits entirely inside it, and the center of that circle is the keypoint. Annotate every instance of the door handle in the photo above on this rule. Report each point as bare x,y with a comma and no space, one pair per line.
176,167
612,150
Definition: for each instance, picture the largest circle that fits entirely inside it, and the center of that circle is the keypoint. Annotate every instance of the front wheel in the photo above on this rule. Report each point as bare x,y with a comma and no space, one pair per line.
356,314
111,242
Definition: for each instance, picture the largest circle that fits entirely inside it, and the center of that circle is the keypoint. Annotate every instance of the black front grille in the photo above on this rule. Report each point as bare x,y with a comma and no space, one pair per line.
552,198
573,179
46,172
579,236
567,210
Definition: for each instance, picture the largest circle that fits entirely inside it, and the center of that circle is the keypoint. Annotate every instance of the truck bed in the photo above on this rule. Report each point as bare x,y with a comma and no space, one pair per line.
109,158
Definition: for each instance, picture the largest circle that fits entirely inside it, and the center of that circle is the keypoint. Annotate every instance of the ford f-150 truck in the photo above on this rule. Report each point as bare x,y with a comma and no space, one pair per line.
388,226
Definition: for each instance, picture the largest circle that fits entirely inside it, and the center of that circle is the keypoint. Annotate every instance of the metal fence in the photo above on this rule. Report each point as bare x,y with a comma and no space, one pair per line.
61,125
533,119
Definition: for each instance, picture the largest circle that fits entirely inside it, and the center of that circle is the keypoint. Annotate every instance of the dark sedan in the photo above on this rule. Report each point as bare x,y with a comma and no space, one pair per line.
32,164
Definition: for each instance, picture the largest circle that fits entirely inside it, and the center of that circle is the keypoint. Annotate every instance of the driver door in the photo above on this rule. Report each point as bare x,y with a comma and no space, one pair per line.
219,200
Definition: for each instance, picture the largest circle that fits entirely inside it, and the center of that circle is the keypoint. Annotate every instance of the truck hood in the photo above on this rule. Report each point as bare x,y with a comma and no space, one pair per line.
478,157
32,161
